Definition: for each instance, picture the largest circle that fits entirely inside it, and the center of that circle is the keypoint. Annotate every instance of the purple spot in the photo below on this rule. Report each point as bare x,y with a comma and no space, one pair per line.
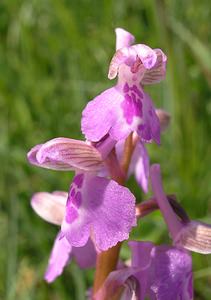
133,97
77,200
131,107
72,192
141,127
78,180
69,200
71,214
126,88
137,91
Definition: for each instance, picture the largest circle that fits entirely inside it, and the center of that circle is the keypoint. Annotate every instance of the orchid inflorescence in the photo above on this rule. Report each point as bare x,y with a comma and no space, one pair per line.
98,212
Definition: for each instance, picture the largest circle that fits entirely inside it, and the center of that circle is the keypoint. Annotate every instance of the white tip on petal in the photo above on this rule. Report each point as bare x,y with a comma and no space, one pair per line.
50,207
123,38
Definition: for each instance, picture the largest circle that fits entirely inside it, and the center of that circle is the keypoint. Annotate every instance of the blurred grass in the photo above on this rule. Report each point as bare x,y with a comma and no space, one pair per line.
54,57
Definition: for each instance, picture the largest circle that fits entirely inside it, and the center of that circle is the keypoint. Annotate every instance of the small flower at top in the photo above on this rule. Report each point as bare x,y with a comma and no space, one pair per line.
126,107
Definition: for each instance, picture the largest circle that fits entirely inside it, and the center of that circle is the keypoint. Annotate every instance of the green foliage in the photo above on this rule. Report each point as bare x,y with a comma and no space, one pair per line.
54,57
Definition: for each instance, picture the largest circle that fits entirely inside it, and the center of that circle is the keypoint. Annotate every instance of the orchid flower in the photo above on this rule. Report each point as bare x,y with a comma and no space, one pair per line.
51,208
125,107
191,235
96,207
157,272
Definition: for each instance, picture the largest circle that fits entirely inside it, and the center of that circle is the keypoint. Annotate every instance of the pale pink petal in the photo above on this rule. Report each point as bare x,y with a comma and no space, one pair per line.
48,163
67,154
50,207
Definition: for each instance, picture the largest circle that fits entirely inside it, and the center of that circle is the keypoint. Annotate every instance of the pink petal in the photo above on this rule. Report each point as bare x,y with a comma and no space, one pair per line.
103,115
48,163
67,154
123,38
50,207
101,208
171,276
158,72
150,128
165,272
63,252
59,258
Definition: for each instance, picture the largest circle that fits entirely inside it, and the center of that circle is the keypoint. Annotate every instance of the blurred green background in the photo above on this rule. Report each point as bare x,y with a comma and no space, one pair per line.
54,57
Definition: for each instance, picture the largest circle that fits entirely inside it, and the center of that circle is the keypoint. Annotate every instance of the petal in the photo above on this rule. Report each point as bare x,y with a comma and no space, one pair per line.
142,261
196,237
85,256
164,272
142,166
158,72
171,274
123,38
98,207
48,164
150,128
103,115
70,154
141,254
105,146
170,217
59,258
50,207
